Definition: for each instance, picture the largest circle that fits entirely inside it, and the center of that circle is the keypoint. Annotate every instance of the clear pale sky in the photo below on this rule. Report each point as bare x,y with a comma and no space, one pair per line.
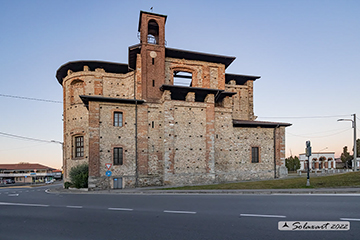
306,52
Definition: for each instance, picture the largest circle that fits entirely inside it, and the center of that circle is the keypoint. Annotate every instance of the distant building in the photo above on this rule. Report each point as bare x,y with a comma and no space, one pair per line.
168,117
28,172
340,163
318,161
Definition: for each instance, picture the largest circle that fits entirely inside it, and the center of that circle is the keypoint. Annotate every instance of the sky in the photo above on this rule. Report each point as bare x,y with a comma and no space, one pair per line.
307,53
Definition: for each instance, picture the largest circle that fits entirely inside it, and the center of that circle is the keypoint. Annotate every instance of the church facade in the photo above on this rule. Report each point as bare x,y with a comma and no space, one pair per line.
167,117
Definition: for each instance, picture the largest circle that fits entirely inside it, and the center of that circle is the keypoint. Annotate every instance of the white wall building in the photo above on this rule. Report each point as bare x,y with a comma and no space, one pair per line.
318,161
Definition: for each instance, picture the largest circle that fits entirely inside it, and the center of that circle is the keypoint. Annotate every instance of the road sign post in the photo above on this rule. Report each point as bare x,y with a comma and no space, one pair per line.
308,154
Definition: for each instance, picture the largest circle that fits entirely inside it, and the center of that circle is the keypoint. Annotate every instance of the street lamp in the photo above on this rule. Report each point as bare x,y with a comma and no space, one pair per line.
354,126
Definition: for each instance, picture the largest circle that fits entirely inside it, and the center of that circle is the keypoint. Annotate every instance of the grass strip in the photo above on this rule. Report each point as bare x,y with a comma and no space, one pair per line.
332,181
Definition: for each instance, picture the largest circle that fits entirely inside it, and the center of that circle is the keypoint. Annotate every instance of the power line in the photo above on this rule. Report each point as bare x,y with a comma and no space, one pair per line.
328,131
318,136
11,149
299,117
27,138
28,98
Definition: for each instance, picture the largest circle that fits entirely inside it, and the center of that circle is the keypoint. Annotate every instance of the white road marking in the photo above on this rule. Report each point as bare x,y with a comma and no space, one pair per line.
120,209
13,195
350,219
23,204
181,212
260,215
74,206
319,194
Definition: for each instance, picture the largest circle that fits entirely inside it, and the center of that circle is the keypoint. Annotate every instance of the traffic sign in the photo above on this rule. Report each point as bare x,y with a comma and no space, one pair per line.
108,165
108,173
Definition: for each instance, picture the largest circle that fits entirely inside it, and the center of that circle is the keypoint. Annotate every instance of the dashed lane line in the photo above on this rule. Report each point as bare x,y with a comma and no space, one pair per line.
74,206
261,215
350,219
120,209
13,195
23,204
179,212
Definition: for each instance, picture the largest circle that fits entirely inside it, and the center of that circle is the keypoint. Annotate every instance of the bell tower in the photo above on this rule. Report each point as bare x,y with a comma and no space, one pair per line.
152,40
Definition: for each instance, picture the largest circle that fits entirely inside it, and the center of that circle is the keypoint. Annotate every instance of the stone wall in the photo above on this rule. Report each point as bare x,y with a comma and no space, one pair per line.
76,120
204,74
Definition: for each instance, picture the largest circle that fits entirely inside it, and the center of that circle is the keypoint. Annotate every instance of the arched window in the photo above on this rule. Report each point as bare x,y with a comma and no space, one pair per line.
153,32
76,89
322,162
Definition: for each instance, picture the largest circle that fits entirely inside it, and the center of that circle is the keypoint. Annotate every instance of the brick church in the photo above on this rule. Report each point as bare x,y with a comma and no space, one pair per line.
167,117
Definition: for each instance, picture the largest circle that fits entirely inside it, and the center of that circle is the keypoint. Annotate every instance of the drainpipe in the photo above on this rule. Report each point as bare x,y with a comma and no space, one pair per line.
275,150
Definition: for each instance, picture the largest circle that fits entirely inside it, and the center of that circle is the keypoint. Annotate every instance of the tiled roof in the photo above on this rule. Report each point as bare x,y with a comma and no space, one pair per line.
24,166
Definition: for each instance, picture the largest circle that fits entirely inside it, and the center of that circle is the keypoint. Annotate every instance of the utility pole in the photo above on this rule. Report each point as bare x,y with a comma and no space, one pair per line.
355,146
308,154
355,150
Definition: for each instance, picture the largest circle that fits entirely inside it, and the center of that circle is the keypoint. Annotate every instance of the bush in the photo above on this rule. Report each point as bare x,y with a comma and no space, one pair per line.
67,185
79,176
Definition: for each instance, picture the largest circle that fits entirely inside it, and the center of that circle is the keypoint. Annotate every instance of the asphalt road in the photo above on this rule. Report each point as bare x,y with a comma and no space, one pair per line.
31,213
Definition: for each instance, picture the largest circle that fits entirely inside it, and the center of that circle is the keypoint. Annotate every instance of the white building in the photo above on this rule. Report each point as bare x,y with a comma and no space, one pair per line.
318,161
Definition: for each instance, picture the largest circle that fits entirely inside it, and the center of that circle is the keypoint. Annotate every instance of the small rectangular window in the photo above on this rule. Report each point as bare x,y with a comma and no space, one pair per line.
153,61
254,154
118,119
152,124
79,146
118,156
153,82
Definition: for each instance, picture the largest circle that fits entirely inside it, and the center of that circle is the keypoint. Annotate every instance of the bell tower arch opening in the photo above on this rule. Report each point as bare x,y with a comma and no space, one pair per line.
153,32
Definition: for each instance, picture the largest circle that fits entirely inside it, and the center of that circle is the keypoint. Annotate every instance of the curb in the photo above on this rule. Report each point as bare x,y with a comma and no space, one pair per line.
235,192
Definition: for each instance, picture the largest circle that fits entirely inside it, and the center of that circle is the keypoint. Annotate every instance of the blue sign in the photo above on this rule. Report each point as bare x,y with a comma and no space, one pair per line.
32,173
108,173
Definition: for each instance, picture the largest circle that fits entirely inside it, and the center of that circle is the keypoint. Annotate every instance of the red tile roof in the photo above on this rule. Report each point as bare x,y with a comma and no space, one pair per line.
24,166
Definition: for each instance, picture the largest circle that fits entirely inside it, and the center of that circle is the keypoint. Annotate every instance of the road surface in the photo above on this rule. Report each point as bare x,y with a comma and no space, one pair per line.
32,213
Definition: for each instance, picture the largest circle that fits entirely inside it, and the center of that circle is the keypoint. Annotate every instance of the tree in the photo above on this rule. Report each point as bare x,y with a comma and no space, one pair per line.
79,176
292,163
346,157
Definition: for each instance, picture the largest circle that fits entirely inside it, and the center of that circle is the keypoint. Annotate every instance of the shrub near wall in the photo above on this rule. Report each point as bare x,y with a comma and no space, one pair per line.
79,176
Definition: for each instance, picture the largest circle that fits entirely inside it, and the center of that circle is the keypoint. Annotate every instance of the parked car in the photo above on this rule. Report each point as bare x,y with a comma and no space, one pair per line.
9,181
50,181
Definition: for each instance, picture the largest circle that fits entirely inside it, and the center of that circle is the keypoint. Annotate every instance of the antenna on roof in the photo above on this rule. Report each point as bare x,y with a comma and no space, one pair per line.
151,9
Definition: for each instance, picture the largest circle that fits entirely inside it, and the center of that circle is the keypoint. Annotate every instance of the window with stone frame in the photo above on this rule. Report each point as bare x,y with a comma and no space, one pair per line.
118,156
255,155
78,146
118,119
